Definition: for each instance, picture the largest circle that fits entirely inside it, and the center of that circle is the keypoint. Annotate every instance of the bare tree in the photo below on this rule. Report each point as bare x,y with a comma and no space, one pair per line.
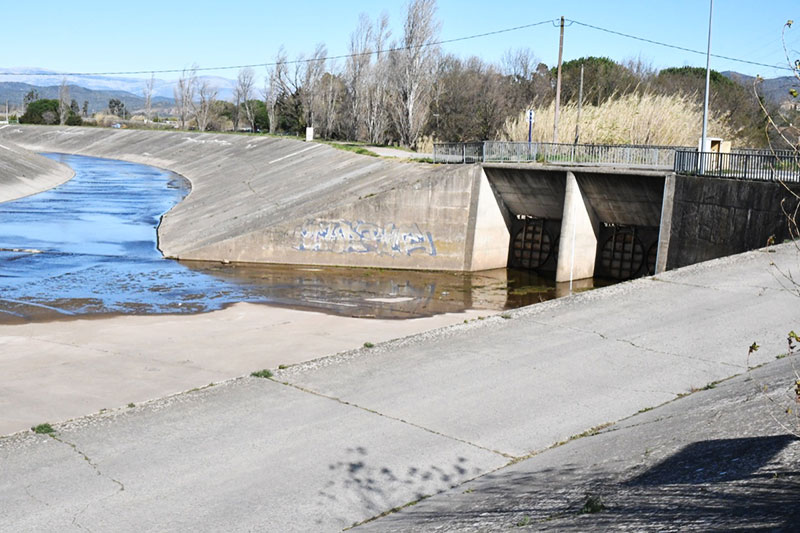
273,88
311,86
357,74
244,93
184,95
148,97
207,95
376,116
412,70
63,102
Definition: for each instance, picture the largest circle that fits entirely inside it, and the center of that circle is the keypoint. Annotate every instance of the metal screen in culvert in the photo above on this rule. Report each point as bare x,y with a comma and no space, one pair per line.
752,165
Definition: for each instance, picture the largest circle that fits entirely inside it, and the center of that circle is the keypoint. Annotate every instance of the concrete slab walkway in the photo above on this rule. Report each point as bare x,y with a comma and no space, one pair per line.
338,440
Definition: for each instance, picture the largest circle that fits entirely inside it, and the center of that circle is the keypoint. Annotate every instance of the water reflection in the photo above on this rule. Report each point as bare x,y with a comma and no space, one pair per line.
89,247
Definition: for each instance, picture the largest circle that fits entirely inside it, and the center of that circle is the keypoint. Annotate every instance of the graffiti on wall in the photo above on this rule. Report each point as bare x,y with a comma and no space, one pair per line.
344,236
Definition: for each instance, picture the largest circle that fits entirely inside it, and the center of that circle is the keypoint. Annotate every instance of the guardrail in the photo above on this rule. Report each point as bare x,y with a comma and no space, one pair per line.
523,152
755,165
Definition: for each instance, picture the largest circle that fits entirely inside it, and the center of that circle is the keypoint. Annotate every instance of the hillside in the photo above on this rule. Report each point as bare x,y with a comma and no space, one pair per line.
775,90
14,92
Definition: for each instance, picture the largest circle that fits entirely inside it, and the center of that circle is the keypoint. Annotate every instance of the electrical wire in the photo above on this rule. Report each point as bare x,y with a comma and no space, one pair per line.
555,22
676,47
292,62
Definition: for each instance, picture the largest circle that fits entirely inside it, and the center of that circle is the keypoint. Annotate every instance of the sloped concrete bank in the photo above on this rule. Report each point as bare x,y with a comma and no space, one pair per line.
23,173
267,199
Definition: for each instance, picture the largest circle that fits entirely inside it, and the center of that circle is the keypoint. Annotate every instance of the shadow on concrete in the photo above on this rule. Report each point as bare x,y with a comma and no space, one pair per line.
743,484
356,482
712,461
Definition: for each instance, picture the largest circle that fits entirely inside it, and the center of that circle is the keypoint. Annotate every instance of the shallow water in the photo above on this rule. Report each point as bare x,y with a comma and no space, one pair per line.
89,247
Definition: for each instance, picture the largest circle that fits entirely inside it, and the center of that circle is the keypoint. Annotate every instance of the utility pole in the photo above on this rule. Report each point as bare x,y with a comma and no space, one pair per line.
708,83
580,104
558,81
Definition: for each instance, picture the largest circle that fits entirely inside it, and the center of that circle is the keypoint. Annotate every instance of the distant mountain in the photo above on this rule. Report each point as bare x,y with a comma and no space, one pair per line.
135,86
14,92
775,90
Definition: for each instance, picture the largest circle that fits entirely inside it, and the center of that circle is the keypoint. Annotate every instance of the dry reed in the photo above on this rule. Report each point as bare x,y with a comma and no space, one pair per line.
647,118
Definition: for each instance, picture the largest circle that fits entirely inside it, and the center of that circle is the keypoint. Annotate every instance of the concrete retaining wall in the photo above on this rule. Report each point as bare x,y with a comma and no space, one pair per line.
715,217
23,173
267,199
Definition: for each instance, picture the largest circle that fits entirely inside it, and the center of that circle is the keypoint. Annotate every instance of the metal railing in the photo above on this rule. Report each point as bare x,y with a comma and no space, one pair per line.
756,165
458,152
523,152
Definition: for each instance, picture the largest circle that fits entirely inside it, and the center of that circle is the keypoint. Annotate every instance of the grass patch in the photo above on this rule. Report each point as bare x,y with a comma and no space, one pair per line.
594,504
283,367
368,345
506,316
265,373
131,405
355,148
43,429
524,521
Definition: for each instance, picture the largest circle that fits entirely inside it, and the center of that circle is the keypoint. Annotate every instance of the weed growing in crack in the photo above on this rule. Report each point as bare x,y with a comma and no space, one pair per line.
368,345
43,429
265,373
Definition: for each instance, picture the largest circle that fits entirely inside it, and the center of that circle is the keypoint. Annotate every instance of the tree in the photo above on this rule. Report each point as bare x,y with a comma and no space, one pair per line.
117,107
205,105
310,95
412,68
86,108
30,97
63,101
148,97
273,88
74,108
602,79
243,93
42,111
184,95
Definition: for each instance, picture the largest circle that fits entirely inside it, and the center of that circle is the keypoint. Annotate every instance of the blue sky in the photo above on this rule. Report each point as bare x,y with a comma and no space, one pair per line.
100,36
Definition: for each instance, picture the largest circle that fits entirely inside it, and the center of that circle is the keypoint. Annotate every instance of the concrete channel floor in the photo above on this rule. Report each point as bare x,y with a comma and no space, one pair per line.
333,442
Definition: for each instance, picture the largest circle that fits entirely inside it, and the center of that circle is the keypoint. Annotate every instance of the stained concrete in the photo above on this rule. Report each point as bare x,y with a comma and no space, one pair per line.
715,217
344,438
23,173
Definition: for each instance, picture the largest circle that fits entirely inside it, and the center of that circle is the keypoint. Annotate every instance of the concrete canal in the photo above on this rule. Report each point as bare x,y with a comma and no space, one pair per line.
88,247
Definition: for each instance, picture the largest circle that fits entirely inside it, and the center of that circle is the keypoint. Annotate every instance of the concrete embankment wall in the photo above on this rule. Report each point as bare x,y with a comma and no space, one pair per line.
23,173
717,217
267,199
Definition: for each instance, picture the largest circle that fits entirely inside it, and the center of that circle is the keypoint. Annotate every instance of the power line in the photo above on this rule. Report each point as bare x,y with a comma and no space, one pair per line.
676,47
293,62
397,49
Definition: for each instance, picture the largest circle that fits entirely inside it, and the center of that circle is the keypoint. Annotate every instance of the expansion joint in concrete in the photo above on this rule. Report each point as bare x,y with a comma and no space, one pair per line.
396,419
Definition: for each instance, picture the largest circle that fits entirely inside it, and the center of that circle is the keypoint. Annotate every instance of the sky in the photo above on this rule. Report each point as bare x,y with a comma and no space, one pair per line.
146,35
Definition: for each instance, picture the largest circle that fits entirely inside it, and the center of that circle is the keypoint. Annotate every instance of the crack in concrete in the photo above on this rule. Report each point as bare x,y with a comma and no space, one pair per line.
89,462
639,346
97,471
396,419
716,288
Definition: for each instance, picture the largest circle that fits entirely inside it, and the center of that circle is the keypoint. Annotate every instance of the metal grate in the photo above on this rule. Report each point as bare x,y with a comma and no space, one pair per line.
532,244
622,253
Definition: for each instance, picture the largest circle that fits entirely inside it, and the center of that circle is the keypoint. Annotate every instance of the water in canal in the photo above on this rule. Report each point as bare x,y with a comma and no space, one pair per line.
89,247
